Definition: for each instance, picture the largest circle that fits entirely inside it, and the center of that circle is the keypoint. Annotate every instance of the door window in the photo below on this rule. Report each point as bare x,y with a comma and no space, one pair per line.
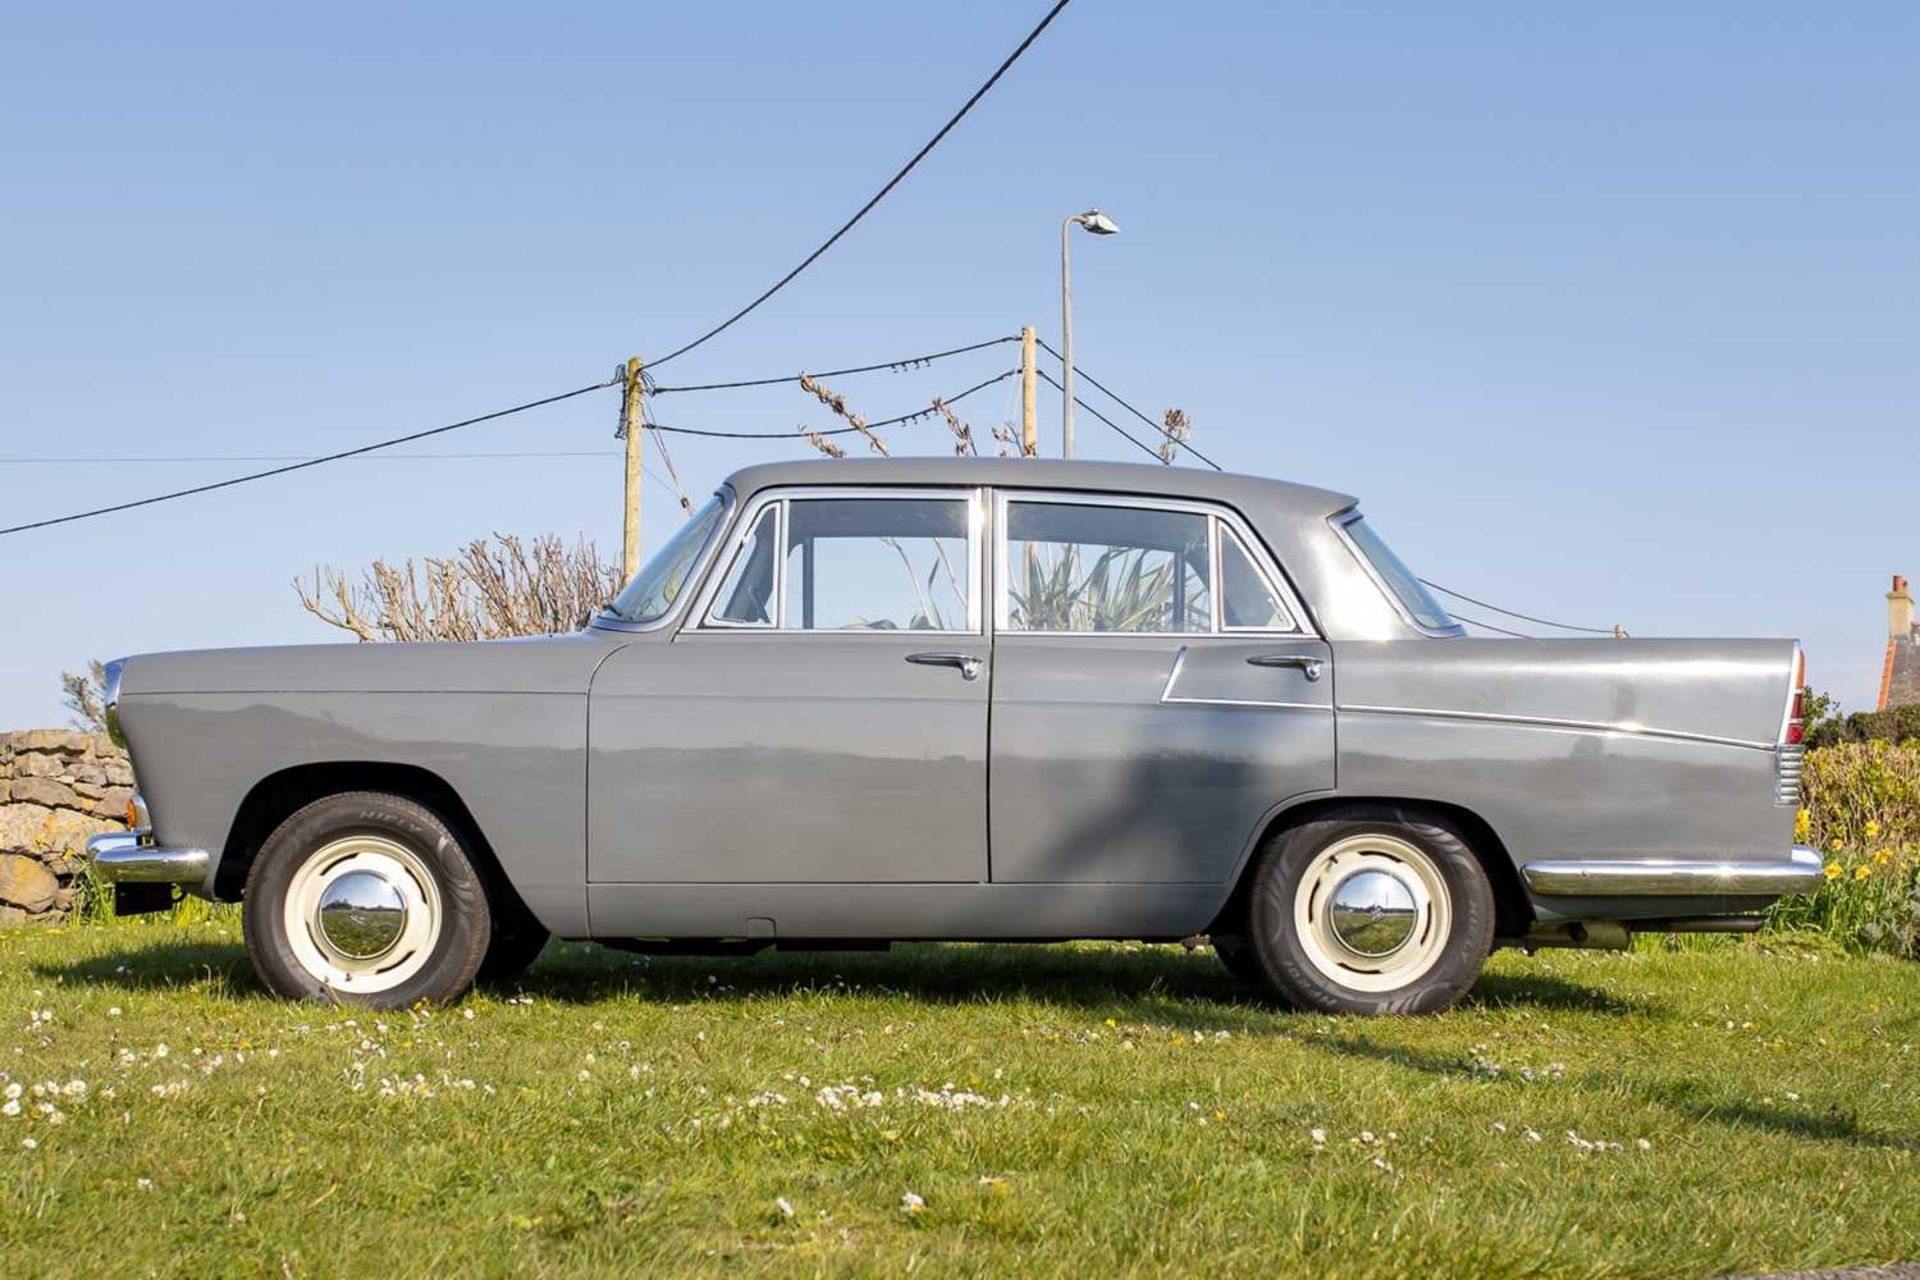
1086,567
885,563
877,564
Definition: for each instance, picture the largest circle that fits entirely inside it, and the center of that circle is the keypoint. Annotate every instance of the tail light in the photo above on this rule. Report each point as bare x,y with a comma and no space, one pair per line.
1790,756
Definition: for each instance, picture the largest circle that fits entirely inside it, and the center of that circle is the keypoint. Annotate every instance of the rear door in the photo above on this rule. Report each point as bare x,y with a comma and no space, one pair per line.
1157,691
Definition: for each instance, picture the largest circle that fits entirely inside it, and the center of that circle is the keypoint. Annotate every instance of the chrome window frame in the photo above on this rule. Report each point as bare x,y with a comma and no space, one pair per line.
712,619
1340,521
1221,625
972,495
697,576
1217,517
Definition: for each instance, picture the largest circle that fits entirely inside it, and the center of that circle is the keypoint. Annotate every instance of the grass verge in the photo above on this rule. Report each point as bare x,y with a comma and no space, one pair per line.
1098,1110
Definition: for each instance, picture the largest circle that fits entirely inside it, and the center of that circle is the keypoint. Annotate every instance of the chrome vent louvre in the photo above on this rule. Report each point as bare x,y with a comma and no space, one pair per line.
1790,760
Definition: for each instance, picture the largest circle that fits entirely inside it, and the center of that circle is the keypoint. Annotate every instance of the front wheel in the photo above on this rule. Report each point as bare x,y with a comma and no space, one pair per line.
366,898
1371,909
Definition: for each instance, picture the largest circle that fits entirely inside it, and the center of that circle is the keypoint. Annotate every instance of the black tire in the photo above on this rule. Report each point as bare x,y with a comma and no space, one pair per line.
452,953
1453,956
1236,953
513,951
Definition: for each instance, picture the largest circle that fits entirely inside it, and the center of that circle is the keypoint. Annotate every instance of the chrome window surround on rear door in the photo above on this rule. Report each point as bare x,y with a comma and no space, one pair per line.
736,542
1217,518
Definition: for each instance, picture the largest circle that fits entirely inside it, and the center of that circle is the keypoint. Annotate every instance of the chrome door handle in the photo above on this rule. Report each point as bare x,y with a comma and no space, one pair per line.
1306,662
968,665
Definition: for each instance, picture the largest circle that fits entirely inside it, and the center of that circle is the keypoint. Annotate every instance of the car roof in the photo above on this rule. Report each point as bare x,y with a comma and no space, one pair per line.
1240,491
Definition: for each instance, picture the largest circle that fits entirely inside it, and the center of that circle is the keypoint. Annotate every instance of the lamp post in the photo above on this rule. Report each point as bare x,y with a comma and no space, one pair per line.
1100,225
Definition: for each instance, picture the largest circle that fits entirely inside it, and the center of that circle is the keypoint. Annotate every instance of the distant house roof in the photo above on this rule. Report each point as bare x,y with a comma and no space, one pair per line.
1900,684
1900,678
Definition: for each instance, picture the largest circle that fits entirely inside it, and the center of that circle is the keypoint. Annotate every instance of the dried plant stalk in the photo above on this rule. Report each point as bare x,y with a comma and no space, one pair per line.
962,433
837,404
1179,429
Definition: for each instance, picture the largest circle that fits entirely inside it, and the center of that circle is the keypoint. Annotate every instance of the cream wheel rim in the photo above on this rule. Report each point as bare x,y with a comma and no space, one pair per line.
362,914
1372,912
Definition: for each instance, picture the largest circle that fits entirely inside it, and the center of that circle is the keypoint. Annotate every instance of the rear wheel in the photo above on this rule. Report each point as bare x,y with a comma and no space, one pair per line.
1372,909
366,898
1237,954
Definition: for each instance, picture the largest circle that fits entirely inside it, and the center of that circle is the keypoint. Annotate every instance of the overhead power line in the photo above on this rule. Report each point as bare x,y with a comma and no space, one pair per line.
304,464
1458,595
1524,617
878,196
1115,397
915,416
1488,626
911,362
307,457
1136,441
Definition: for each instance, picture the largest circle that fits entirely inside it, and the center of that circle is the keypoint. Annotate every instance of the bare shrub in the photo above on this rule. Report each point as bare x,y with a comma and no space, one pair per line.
505,586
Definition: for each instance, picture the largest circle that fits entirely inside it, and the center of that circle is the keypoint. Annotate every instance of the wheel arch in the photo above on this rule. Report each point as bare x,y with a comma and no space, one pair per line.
1513,908
278,796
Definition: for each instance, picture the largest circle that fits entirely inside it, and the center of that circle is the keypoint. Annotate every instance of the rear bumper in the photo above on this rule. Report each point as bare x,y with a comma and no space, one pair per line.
123,858
1664,878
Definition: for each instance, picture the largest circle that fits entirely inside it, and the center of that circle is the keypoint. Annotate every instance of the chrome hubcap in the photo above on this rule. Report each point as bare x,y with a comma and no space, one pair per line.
362,915
1372,912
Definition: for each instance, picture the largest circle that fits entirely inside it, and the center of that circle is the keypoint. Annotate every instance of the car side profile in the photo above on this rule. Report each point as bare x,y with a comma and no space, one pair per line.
857,702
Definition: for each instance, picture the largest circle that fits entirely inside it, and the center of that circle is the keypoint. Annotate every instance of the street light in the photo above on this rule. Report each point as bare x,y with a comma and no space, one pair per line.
1100,225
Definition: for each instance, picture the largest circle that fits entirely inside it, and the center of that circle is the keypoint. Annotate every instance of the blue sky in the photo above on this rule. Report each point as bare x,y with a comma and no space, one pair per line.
1611,315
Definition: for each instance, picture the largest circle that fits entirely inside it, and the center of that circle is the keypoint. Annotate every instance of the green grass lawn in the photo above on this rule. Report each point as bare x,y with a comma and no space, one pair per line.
1094,1110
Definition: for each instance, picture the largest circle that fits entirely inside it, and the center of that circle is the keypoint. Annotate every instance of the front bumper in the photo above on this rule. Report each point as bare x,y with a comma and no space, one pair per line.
130,857
1668,878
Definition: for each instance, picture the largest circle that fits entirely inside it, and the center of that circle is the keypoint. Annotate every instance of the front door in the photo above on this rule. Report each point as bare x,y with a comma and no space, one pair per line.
821,716
1157,693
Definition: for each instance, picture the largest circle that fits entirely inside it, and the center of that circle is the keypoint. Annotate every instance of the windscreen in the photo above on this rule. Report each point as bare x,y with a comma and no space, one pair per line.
659,583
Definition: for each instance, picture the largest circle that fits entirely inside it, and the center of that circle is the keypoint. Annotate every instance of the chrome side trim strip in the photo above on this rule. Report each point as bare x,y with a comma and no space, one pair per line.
1169,698
1657,877
1549,722
1247,702
120,856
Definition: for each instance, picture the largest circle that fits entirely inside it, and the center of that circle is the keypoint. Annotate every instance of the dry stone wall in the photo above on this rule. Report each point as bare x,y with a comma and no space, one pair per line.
57,787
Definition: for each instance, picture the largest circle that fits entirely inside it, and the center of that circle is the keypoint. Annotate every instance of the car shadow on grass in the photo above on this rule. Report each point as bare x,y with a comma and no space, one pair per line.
1163,984
160,966
1698,1099
1549,991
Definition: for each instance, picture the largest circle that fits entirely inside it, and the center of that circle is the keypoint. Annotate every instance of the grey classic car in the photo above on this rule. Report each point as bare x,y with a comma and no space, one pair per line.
973,699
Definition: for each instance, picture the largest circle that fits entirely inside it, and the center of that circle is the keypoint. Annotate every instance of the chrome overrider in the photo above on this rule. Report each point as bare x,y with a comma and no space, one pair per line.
131,857
1655,877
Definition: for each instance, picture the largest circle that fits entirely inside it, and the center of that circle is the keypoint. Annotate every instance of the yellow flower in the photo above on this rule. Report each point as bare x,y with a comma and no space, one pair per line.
1883,857
1834,871
1802,826
1862,871
1873,829
1835,844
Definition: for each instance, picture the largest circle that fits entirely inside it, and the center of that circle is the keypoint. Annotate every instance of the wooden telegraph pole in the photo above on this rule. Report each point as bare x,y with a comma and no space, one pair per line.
630,419
1029,427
